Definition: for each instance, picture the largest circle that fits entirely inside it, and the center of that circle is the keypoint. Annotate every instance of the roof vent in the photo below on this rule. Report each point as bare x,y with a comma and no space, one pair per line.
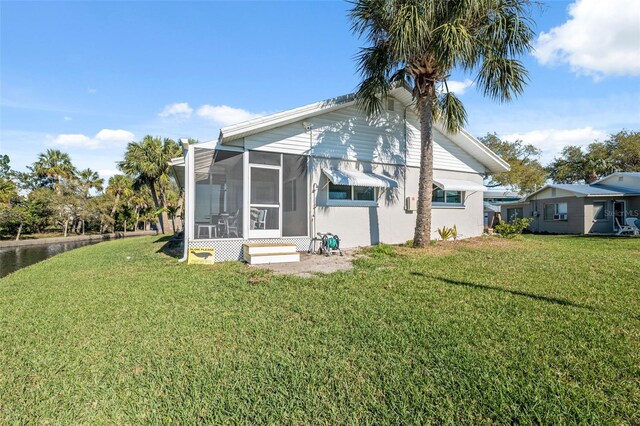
391,105
553,192
620,178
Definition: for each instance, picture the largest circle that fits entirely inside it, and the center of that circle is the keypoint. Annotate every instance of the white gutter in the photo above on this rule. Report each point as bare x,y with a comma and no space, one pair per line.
188,167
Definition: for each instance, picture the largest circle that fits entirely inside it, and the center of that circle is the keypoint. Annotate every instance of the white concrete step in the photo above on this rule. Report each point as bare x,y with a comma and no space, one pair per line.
262,258
269,248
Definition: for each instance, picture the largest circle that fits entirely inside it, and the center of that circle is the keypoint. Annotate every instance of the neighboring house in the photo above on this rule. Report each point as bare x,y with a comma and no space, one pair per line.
492,200
326,167
598,208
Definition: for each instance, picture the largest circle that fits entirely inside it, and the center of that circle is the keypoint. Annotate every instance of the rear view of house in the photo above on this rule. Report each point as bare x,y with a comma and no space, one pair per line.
602,207
326,167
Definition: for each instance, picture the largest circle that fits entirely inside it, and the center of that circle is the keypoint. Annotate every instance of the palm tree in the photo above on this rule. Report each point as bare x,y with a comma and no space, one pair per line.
120,186
88,180
418,43
148,162
54,165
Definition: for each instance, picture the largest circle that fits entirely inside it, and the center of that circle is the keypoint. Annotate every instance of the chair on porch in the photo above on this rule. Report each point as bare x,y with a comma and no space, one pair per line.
628,226
258,218
232,223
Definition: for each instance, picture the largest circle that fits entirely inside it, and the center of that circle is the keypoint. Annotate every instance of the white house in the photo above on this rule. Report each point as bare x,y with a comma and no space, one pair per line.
326,167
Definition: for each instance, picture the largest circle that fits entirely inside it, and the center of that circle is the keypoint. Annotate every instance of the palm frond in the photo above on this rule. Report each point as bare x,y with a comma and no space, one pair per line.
450,111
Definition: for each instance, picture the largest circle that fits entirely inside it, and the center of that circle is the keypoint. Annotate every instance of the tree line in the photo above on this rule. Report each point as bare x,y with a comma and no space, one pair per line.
620,152
53,196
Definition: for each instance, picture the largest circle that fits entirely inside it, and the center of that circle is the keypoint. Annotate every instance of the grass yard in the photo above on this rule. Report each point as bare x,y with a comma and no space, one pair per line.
539,330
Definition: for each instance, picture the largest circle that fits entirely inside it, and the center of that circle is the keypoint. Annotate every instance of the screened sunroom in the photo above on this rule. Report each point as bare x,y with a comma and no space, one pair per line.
235,195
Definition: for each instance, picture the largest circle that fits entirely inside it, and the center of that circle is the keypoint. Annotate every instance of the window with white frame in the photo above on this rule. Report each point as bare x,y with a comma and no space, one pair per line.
555,211
351,193
440,196
599,210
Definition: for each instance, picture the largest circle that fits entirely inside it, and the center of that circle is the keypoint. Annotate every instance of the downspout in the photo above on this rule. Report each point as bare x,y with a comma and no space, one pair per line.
404,185
187,199
310,171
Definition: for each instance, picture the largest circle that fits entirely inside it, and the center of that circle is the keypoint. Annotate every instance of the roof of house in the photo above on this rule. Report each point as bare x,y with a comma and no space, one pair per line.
630,174
584,190
463,139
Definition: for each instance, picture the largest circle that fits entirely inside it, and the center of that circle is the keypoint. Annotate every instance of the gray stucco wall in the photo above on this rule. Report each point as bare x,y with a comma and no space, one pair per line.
388,222
581,214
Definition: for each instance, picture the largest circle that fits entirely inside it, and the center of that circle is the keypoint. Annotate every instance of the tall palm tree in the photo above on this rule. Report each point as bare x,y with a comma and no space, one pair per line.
148,162
87,179
120,186
54,165
419,43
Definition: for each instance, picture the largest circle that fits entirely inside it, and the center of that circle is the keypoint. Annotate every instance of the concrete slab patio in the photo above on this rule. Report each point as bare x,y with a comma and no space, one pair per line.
312,264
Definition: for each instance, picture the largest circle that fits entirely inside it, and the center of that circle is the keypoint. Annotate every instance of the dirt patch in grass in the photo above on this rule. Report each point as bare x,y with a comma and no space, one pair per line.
445,248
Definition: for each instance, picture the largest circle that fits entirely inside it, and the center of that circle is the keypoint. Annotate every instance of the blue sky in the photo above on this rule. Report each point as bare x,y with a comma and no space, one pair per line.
87,77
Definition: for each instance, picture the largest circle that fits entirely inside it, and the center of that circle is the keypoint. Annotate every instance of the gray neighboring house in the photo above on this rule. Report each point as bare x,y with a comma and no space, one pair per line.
580,208
327,167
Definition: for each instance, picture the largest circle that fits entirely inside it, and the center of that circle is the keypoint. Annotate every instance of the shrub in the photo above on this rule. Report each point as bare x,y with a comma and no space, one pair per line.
513,228
448,233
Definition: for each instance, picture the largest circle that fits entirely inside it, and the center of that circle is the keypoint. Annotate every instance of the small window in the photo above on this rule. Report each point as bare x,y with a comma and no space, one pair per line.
514,213
441,196
599,210
363,193
339,192
351,193
557,211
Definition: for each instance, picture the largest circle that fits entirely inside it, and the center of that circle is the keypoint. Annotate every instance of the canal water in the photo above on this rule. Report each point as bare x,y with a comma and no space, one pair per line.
14,258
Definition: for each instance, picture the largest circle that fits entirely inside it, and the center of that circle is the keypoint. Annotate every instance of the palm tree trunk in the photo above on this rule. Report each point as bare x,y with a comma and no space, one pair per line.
154,195
165,214
113,211
135,228
422,234
19,231
66,226
178,212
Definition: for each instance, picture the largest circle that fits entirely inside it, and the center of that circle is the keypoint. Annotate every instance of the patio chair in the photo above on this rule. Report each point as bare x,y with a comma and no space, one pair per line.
629,226
258,218
633,223
232,224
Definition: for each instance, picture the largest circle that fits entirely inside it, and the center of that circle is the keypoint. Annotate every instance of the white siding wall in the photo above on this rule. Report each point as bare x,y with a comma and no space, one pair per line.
389,222
348,134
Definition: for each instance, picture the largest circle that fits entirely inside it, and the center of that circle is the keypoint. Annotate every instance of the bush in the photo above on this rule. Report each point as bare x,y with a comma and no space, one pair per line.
513,228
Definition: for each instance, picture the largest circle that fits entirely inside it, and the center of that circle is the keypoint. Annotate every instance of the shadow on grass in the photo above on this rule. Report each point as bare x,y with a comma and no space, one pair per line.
172,246
547,299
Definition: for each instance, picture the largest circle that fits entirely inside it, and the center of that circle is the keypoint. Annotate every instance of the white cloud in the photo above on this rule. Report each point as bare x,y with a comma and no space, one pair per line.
91,90
180,110
551,141
67,118
107,173
102,139
114,136
74,140
459,87
601,38
225,115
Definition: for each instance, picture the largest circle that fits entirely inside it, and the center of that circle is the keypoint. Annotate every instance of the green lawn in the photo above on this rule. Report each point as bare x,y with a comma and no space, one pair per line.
537,330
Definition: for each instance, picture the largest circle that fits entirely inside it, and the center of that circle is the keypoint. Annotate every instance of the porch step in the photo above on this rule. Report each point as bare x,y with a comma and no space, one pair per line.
258,254
271,248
